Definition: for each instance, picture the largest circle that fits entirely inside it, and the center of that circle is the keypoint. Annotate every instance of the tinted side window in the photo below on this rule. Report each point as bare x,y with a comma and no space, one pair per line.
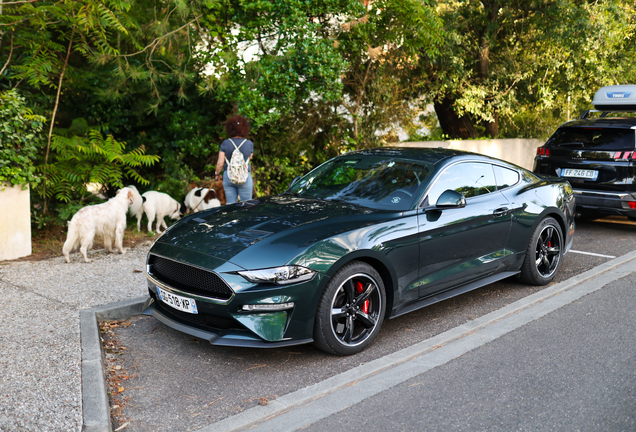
592,138
505,177
469,178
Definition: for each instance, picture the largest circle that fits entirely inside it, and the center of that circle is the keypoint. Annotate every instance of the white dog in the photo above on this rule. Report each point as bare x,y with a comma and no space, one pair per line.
201,198
135,207
106,220
159,205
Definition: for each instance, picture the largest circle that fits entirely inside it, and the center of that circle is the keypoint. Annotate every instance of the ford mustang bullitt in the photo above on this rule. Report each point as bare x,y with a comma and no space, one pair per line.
366,236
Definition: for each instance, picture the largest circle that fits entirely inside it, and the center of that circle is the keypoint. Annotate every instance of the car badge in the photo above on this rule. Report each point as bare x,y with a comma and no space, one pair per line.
396,200
618,95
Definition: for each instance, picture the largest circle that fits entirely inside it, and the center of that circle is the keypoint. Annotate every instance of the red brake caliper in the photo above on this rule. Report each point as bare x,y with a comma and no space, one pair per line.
365,305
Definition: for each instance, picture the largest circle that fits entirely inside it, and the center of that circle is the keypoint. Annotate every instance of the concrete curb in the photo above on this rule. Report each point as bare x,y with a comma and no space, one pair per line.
95,406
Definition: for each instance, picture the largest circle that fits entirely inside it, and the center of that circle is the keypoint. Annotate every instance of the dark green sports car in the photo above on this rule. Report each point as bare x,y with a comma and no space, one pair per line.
365,236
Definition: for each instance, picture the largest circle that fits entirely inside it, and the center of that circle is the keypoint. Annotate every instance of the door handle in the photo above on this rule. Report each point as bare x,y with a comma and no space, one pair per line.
501,211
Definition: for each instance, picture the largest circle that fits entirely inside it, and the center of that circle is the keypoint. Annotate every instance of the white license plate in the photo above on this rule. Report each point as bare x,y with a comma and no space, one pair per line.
180,303
580,173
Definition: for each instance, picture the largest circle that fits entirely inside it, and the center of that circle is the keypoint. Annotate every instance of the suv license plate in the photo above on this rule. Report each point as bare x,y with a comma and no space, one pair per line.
180,303
580,173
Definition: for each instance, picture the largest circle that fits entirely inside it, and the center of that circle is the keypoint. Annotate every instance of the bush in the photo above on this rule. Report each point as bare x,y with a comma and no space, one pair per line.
20,139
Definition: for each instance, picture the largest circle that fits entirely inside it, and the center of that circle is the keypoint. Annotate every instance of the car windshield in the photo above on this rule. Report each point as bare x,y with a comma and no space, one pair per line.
592,138
378,182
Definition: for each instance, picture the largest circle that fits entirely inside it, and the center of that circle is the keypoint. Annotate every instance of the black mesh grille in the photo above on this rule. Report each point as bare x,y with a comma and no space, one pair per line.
188,279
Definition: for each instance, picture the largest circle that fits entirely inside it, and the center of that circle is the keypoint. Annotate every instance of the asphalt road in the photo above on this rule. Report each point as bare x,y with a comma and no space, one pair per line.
182,383
573,370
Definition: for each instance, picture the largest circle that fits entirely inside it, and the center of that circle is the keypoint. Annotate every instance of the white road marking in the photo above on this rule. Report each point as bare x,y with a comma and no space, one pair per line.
593,254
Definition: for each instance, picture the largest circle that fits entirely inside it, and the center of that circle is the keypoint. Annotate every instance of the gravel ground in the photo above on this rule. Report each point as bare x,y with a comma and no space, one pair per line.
40,355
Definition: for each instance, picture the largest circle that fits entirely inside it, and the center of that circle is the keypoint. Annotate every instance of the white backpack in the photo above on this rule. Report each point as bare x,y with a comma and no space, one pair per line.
237,168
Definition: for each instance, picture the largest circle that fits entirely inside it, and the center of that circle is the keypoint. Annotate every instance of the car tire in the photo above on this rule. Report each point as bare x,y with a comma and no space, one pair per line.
544,253
351,310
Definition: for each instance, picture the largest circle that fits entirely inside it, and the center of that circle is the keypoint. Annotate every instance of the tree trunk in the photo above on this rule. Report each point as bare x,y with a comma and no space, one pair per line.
452,125
492,129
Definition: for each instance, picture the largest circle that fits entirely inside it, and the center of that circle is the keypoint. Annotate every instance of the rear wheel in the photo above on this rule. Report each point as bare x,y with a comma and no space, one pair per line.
351,310
544,253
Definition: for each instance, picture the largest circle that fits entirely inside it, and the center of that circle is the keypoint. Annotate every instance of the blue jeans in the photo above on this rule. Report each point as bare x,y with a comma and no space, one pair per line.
233,192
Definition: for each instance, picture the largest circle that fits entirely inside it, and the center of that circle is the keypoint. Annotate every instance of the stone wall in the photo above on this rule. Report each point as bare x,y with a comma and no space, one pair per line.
518,151
15,222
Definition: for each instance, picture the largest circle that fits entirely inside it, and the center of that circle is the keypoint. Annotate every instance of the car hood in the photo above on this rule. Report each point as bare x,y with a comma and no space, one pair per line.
265,232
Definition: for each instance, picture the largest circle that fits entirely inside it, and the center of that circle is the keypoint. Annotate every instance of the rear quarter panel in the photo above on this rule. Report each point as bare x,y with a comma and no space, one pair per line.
532,201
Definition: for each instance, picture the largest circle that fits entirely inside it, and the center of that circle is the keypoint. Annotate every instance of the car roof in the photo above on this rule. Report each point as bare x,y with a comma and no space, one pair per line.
605,122
433,156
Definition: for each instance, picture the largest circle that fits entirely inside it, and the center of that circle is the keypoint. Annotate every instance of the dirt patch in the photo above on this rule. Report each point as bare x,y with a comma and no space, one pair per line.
47,243
116,372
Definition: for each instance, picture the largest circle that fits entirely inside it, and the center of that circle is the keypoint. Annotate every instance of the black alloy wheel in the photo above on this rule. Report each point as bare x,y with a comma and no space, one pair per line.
351,310
544,253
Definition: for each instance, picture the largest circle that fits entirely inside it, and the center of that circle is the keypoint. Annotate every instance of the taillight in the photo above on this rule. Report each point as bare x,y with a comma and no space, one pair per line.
632,205
542,151
624,155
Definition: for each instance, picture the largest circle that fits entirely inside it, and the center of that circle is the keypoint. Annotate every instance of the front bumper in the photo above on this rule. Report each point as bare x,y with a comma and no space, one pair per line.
225,323
611,203
233,337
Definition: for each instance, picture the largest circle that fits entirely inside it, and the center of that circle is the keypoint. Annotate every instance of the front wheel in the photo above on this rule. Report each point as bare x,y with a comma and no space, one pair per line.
351,310
544,253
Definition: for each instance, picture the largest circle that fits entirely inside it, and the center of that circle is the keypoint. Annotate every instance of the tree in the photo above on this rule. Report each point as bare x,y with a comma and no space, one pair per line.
317,77
73,59
503,60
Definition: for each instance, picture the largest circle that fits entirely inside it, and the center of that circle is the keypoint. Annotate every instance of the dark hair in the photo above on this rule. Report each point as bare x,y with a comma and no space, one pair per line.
237,126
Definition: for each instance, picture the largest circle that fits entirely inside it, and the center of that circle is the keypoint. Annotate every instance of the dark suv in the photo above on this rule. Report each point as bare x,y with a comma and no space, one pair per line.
597,155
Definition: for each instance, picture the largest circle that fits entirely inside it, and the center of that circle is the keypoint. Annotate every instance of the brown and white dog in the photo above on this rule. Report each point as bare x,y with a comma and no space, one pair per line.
106,220
159,205
201,198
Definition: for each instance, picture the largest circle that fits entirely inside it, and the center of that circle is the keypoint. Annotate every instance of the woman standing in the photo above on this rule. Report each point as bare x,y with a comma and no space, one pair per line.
237,128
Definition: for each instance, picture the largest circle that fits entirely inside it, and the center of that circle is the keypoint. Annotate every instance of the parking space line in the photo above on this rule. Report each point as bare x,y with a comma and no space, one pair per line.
593,254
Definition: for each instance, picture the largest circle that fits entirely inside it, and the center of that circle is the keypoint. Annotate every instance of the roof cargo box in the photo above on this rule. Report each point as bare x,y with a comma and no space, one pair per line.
616,98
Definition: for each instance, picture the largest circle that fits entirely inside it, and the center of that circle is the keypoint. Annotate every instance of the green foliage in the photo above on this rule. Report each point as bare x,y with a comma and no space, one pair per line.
41,33
315,77
81,161
20,140
511,66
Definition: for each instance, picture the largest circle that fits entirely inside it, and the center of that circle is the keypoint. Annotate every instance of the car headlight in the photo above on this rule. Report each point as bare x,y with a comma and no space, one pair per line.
279,275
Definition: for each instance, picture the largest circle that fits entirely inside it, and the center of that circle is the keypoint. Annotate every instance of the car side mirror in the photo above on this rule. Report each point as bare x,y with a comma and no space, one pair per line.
451,199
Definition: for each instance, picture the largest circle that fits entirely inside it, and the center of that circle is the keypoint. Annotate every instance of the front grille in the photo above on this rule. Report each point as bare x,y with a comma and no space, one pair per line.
188,278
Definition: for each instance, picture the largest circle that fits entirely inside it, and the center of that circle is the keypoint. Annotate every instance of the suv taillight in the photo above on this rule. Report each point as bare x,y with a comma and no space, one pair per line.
624,155
542,151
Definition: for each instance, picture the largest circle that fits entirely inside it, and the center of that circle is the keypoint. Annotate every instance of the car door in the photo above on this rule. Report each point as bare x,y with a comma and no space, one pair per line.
458,245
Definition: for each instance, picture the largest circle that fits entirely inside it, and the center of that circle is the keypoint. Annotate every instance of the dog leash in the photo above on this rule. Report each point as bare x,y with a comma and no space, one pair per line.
202,199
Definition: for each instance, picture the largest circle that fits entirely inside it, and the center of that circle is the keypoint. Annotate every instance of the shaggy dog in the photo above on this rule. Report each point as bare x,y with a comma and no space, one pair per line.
135,207
106,220
201,198
159,205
